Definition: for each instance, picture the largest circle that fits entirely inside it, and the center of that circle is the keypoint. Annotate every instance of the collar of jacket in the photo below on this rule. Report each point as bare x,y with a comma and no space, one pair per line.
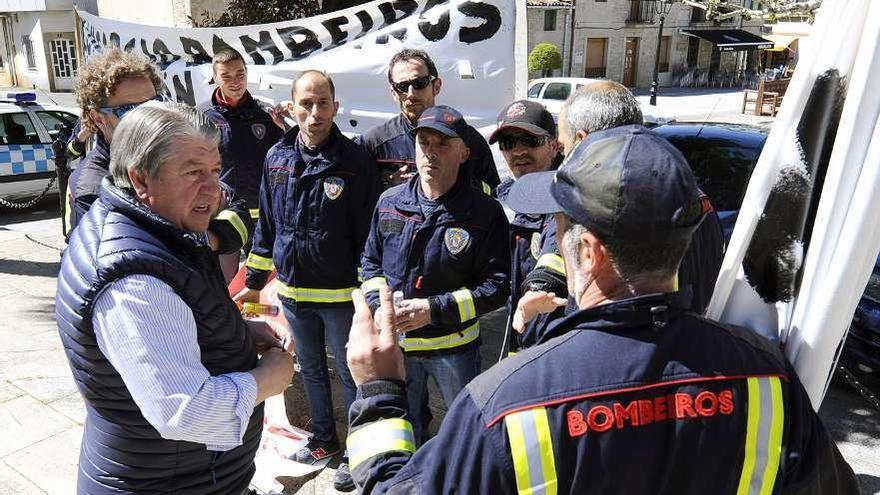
126,203
101,152
632,312
246,107
457,201
329,149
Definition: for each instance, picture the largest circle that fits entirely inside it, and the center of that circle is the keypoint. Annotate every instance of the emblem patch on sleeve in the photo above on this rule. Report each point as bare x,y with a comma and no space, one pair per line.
259,130
333,187
456,239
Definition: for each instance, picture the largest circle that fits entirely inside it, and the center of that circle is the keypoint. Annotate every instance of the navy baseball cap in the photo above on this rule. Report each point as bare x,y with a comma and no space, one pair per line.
622,183
527,115
443,119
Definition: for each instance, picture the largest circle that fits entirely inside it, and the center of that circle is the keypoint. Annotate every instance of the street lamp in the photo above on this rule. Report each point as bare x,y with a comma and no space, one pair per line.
662,8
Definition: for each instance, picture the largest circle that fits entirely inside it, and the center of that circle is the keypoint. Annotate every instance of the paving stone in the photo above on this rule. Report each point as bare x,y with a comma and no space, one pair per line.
13,483
52,463
47,389
9,392
33,364
25,421
71,406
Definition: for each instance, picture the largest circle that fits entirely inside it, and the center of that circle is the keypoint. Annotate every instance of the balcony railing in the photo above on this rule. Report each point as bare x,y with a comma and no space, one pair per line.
640,11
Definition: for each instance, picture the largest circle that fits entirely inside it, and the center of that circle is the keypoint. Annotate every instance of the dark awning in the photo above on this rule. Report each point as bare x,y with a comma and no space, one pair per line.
729,40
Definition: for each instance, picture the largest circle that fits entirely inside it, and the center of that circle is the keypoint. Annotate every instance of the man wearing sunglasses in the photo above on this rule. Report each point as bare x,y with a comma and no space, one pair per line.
131,80
526,135
415,85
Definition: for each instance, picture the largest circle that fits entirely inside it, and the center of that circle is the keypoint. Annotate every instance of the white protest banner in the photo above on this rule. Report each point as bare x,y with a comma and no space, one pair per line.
471,42
807,235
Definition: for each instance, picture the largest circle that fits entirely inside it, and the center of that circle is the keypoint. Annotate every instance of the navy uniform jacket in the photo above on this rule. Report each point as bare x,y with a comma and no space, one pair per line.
635,397
533,247
246,134
232,226
392,145
457,258
314,219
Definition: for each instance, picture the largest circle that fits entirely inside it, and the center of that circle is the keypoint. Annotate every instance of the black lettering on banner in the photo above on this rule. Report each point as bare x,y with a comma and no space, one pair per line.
333,27
184,94
130,45
299,49
218,44
104,39
194,49
146,51
484,31
407,7
366,22
114,40
163,53
265,43
438,31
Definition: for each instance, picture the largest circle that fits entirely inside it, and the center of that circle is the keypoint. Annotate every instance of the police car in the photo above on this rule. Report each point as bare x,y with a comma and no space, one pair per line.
27,130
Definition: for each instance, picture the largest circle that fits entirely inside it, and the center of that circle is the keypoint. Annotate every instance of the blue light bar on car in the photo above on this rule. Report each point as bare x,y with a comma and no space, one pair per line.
22,97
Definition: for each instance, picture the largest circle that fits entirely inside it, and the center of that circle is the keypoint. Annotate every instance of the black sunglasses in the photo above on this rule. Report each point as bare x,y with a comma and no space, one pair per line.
417,83
120,110
507,143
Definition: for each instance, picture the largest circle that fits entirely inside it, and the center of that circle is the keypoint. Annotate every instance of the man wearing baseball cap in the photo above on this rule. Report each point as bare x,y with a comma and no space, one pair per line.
443,244
526,136
632,393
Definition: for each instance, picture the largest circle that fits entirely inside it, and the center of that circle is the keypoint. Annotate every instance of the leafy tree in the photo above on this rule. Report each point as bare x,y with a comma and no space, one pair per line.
545,57
247,12
770,10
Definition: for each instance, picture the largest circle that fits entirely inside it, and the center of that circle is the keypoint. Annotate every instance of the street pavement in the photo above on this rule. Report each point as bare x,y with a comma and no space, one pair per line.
42,414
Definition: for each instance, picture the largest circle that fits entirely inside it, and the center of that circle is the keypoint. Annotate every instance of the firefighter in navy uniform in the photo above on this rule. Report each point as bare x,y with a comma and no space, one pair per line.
415,84
443,244
317,197
526,136
630,394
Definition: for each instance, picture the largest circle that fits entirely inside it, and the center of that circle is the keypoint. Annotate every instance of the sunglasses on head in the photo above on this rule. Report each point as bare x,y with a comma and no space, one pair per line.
417,83
120,110
507,143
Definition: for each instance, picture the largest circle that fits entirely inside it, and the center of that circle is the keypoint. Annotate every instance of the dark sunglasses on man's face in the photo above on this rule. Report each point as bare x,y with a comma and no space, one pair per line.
417,83
507,143
120,110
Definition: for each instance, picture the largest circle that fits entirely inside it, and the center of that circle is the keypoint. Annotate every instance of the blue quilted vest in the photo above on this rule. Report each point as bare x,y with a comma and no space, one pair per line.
121,452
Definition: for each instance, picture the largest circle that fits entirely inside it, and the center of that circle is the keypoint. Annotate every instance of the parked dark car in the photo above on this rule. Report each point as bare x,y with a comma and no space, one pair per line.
722,157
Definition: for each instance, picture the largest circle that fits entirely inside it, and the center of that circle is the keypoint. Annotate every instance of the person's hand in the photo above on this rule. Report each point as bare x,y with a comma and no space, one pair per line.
413,314
84,134
533,303
267,336
401,175
278,113
247,295
374,355
273,373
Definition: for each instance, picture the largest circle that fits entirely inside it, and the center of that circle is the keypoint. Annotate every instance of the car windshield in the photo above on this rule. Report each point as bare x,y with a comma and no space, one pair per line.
722,167
557,91
535,90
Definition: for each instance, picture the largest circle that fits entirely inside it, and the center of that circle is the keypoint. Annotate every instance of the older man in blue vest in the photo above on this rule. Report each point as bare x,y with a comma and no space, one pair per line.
168,368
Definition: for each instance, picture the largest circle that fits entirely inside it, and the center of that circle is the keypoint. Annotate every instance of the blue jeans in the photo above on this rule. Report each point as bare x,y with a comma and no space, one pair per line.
451,372
312,329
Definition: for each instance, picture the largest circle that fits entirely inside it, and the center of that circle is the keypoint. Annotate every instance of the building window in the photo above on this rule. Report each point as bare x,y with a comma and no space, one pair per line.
698,15
549,20
665,45
596,50
28,48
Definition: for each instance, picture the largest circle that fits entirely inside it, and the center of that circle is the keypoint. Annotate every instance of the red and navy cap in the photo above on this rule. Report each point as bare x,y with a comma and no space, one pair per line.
529,116
443,119
622,183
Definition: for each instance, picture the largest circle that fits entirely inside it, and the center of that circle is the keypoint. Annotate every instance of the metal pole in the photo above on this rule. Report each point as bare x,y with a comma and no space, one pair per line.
571,27
654,82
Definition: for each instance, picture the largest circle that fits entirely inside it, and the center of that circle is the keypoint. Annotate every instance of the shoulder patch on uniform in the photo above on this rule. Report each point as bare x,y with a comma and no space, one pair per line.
536,245
333,187
259,130
456,239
